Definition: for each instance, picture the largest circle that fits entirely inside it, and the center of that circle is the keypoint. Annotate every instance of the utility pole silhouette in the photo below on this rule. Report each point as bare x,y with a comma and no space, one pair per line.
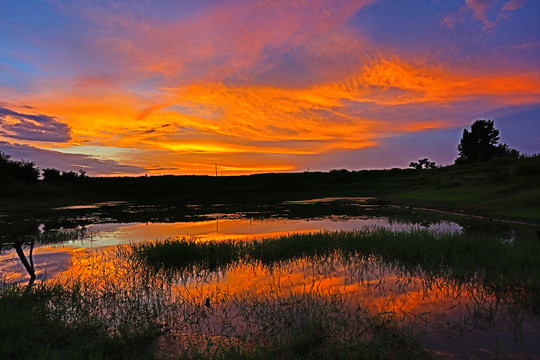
216,168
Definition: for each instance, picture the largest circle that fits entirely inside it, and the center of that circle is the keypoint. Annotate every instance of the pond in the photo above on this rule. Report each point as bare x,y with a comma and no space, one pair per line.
456,318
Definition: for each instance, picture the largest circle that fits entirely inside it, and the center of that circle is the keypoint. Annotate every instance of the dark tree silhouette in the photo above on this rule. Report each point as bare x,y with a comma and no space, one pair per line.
11,170
54,175
480,144
69,176
505,150
51,175
423,164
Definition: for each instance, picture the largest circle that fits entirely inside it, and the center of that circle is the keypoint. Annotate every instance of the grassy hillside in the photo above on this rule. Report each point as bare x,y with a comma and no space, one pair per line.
503,188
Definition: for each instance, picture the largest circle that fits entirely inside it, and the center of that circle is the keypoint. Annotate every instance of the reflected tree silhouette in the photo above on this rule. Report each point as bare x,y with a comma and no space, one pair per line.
28,264
18,235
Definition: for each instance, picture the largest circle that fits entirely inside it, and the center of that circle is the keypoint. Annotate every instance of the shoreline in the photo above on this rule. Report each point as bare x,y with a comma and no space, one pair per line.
463,214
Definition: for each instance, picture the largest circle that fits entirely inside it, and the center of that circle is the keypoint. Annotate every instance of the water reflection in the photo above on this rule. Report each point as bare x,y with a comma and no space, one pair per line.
18,237
240,229
225,227
84,230
465,318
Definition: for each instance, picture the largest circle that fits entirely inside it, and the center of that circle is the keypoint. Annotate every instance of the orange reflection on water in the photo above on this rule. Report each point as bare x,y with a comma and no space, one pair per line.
376,287
100,267
240,291
360,282
48,261
233,295
219,230
214,230
372,287
364,282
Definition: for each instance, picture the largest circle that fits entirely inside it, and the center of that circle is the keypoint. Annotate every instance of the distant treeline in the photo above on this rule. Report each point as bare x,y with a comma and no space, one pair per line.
505,187
27,172
480,144
484,167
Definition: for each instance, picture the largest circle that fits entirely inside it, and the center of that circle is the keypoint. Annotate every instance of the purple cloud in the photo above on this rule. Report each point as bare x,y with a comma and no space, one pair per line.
67,162
32,127
513,5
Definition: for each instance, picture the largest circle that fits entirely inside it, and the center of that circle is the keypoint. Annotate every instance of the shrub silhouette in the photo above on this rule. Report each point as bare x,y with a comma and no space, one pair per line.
423,164
11,170
51,175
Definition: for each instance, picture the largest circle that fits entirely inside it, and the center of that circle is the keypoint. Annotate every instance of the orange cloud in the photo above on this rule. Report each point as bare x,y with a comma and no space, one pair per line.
217,40
425,84
255,85
222,122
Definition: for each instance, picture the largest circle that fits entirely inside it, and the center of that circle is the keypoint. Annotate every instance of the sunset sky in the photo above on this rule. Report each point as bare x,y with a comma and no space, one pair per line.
176,86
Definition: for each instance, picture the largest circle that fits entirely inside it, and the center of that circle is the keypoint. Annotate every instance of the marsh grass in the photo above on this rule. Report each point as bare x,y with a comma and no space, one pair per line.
307,326
166,300
124,311
507,267
494,281
50,320
83,316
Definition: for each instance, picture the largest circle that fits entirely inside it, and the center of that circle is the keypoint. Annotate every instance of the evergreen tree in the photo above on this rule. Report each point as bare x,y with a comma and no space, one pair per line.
481,144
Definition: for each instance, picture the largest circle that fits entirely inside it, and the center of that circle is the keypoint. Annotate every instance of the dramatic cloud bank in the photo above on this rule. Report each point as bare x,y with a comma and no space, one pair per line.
259,86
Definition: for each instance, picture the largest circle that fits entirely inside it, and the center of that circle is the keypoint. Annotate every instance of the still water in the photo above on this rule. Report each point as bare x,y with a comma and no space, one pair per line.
452,315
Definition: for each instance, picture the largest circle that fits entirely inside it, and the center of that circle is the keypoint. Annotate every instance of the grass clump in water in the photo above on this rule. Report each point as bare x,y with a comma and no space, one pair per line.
506,267
189,253
464,254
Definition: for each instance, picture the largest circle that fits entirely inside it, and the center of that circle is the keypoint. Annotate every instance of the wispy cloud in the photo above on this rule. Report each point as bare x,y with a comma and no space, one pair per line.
513,5
453,19
219,40
489,12
480,9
